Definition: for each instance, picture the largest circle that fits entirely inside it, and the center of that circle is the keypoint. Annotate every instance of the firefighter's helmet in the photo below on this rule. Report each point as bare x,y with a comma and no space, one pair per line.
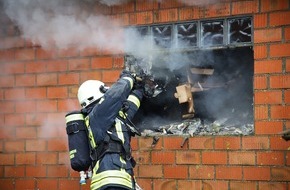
90,91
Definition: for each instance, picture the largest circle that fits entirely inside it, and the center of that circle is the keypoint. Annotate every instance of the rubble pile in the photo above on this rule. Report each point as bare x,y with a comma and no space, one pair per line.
196,126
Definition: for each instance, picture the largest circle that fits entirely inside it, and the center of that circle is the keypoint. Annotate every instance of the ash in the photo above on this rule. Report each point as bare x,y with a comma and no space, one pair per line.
196,126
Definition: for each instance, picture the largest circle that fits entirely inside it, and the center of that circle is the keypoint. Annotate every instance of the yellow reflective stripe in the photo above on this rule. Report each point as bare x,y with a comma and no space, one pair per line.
74,117
111,177
119,131
90,133
134,99
130,80
72,153
96,167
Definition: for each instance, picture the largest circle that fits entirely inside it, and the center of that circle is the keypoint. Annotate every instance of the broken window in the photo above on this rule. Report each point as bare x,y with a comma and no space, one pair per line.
198,91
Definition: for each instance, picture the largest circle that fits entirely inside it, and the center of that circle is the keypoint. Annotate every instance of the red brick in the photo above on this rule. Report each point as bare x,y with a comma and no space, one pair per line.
90,51
216,157
242,158
287,33
163,157
170,4
45,54
243,185
7,132
175,172
272,185
171,143
274,5
123,8
268,66
287,65
14,94
280,174
63,158
255,142
35,171
7,159
189,184
14,171
95,75
46,158
57,92
168,15
102,63
244,7
227,143
270,158
56,65
268,127
141,18
201,143
277,143
261,112
7,81
67,105
35,93
217,10
150,171
260,51
35,119
46,106
189,13
7,107
68,184
46,79
79,64
14,146
25,132
68,78
229,172
35,67
164,184
35,145
25,184
256,173
12,68
46,184
216,184
7,55
25,80
110,76
287,96
57,145
7,183
188,157
201,172
57,171
268,97
260,20
146,144
14,120
279,18
144,5
260,82
25,158
142,157
280,81
24,54
118,62
280,50
280,112
68,52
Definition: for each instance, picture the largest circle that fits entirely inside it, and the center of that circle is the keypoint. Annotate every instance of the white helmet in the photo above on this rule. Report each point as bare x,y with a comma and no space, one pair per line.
90,91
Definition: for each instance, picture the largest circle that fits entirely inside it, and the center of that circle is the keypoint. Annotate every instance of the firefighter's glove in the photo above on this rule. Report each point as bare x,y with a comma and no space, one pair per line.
149,88
126,73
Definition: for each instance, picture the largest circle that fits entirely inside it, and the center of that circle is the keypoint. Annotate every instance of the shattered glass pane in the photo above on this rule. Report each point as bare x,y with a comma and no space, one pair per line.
143,31
162,35
186,35
240,30
212,33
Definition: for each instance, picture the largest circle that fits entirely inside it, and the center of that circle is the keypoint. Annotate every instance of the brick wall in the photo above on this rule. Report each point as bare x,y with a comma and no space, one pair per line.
38,87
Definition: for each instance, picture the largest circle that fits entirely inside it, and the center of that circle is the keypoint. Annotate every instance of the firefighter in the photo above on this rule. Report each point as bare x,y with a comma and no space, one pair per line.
108,113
